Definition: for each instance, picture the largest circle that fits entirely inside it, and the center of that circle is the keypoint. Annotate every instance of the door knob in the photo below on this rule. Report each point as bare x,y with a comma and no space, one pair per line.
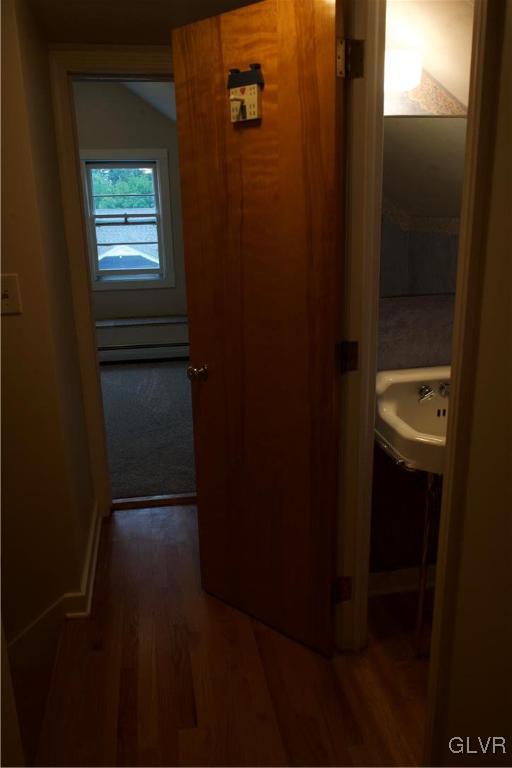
197,374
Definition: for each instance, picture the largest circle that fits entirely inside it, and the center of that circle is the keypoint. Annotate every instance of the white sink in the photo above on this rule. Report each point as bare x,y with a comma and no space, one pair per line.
413,432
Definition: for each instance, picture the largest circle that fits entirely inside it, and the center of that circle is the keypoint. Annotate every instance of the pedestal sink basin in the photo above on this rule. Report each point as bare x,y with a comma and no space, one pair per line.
412,410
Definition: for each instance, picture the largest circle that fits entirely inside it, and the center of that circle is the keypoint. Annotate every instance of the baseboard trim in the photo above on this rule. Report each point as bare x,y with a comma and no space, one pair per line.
32,653
54,611
77,605
403,580
71,604
143,502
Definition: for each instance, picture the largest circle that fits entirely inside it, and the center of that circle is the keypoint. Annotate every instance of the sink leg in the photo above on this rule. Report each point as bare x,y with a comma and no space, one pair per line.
422,583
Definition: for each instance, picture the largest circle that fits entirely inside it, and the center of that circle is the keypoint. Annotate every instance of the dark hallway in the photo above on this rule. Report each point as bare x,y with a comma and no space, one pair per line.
164,674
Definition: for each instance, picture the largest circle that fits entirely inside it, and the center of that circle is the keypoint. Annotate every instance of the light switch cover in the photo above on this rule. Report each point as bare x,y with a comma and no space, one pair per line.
11,299
245,103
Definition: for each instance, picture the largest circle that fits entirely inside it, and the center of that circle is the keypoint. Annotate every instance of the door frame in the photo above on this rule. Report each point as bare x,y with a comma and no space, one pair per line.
365,20
94,62
363,262
483,109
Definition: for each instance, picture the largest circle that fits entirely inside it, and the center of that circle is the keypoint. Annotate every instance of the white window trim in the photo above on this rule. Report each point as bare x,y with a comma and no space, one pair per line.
160,157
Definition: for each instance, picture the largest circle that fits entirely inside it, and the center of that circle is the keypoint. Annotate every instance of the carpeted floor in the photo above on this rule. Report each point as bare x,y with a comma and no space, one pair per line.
148,416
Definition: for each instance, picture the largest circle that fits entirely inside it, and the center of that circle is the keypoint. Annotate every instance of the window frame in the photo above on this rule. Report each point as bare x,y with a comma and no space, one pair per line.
164,275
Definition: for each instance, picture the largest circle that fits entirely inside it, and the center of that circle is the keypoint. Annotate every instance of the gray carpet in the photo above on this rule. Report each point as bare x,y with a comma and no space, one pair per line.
148,416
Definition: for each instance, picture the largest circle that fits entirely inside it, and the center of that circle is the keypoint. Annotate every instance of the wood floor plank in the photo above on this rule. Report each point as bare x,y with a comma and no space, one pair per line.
194,747
312,717
82,704
164,674
387,685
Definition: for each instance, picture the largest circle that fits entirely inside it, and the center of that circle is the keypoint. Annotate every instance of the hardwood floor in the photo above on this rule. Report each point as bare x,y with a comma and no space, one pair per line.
163,674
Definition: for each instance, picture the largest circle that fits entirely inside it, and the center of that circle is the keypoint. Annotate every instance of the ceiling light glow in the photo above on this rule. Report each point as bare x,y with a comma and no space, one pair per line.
402,70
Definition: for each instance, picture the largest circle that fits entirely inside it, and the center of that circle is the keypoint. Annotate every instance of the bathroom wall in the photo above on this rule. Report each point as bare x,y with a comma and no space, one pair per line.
422,188
415,331
417,262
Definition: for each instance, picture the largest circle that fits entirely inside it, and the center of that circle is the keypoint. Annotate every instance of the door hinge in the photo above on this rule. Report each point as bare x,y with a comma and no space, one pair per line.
349,58
342,590
348,352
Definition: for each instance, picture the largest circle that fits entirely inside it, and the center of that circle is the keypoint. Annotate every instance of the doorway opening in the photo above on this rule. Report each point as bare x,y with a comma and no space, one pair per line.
127,144
426,94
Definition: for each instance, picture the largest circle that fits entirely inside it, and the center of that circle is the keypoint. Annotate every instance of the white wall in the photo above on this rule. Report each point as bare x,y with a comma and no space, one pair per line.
110,116
47,494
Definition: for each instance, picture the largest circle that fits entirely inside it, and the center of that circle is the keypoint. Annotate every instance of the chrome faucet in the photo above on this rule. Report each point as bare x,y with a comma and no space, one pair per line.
425,392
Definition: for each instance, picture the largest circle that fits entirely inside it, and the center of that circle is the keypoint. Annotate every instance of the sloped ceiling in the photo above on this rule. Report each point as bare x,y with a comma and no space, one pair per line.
442,31
159,95
424,156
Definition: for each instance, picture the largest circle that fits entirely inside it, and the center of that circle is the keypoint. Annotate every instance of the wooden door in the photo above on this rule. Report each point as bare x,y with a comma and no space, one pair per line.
260,212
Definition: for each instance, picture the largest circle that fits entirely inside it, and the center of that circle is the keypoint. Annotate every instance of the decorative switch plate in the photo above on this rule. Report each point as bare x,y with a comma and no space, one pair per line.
245,103
245,94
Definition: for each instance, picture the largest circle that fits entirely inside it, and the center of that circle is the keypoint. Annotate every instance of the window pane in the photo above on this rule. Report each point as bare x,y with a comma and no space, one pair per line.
128,246
104,205
126,217
118,187
120,218
125,256
126,233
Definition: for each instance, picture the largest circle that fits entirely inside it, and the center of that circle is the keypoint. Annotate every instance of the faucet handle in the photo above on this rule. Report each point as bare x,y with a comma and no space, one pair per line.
444,388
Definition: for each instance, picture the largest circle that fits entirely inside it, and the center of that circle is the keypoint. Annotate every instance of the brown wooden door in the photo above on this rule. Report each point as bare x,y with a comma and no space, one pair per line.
260,214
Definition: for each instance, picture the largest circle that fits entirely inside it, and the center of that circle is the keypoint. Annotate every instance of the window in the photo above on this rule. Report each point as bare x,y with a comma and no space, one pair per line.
128,218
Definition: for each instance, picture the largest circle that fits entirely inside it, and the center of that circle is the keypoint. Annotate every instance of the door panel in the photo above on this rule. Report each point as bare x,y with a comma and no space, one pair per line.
260,213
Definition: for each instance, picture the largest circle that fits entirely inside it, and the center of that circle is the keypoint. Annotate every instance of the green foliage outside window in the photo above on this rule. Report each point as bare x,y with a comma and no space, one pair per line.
136,183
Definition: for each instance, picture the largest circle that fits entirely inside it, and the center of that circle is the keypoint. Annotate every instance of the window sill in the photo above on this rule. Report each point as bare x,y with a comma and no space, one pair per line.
138,282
